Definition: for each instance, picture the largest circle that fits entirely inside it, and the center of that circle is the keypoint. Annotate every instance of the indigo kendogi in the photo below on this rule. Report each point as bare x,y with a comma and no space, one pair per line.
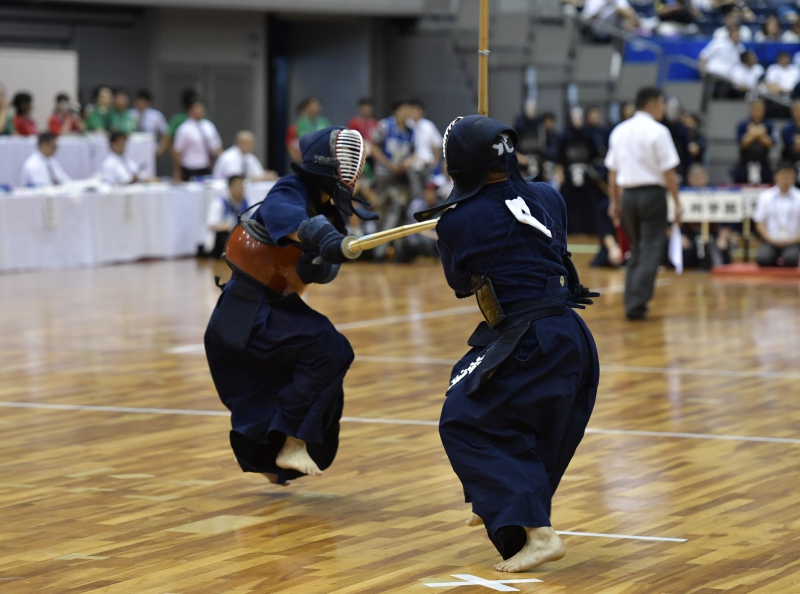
520,399
277,364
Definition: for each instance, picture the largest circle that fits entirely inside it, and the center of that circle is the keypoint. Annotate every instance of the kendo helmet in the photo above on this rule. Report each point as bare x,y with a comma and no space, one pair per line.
333,161
472,146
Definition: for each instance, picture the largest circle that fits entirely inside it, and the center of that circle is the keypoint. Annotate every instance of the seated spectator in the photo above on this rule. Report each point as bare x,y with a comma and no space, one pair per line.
755,136
65,118
791,137
696,141
770,31
733,18
41,169
6,119
240,161
121,119
223,215
117,169
627,111
427,147
364,123
746,75
24,125
197,145
421,244
393,151
697,176
678,11
777,218
792,35
601,14
782,77
148,119
98,115
722,54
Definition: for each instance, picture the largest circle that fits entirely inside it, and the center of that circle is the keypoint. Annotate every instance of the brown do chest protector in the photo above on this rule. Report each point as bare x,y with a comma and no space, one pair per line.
250,251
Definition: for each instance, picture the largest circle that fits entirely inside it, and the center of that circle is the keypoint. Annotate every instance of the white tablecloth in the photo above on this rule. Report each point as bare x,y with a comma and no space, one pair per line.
81,156
63,228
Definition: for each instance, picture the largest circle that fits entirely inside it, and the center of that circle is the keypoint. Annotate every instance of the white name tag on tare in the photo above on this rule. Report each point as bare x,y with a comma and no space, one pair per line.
520,210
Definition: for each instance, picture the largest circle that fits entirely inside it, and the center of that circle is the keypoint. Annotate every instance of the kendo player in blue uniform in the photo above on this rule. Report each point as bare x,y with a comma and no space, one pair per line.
520,399
277,364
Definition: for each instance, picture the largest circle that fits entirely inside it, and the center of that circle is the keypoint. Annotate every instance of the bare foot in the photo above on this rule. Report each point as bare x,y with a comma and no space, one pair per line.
294,455
475,520
543,545
273,478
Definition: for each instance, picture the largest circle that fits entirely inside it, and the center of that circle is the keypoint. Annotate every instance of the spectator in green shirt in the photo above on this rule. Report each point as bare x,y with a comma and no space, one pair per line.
310,119
121,119
6,121
98,117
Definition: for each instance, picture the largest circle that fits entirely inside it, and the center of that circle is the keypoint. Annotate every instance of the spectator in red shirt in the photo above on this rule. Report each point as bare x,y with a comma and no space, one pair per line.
365,122
65,119
23,122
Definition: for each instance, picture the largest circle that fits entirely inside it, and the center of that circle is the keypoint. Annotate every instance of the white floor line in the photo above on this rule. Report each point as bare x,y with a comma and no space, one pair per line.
375,420
627,536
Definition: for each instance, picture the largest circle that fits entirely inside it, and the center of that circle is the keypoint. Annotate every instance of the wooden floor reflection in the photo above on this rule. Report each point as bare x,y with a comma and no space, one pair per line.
696,438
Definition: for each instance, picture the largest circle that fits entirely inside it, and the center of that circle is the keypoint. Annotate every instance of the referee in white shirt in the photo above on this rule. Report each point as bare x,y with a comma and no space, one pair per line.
642,162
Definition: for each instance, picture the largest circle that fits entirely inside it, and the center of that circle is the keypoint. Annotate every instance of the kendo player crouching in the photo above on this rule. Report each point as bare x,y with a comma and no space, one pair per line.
277,364
520,400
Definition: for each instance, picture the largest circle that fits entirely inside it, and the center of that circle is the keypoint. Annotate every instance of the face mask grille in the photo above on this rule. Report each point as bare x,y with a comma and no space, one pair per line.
349,151
447,136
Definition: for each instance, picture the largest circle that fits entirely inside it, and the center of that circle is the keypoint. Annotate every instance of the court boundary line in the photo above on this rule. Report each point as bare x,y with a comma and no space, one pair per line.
377,420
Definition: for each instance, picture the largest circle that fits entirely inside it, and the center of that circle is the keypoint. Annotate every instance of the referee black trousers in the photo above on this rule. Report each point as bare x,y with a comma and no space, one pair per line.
644,218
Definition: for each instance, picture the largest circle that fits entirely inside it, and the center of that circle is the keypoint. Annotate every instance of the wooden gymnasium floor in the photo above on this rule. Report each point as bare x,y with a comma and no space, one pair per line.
116,475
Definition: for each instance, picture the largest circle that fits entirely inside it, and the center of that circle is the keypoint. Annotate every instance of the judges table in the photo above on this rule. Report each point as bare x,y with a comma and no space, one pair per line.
80,156
65,227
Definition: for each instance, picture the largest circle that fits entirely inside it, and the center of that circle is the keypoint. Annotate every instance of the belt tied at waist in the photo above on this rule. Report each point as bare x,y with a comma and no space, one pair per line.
500,342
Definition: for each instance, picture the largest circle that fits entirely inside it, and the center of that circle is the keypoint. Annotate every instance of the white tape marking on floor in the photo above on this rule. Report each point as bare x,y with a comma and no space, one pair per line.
422,423
624,536
472,580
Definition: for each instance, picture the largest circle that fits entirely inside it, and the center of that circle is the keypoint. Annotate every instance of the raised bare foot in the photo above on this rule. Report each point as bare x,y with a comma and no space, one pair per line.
475,520
294,455
543,546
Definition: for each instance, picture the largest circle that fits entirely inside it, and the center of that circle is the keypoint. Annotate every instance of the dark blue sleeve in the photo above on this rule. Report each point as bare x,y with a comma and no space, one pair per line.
740,131
787,134
284,208
770,129
458,276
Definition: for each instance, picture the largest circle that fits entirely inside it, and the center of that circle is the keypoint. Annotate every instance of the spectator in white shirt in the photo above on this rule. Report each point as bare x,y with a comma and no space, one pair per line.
722,55
792,35
777,219
117,169
41,169
782,77
427,147
746,75
223,215
147,118
734,19
617,13
196,146
240,160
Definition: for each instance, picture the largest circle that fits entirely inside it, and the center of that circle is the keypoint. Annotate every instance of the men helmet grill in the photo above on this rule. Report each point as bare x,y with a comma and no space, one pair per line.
447,136
348,150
